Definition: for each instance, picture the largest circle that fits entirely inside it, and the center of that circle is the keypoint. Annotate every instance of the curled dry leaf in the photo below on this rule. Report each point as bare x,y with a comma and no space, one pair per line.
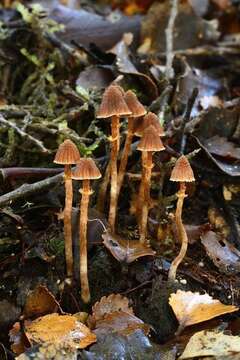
56,328
223,254
125,250
212,343
113,314
40,302
192,308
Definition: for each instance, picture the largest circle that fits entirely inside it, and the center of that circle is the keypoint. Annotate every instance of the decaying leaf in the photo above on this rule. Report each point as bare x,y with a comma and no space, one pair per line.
113,314
220,146
55,328
108,305
40,302
125,250
18,338
223,254
211,343
192,308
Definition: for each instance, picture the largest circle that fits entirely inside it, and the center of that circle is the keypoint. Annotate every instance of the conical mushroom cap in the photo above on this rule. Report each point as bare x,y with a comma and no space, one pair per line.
149,119
182,171
113,103
67,153
86,169
150,141
134,104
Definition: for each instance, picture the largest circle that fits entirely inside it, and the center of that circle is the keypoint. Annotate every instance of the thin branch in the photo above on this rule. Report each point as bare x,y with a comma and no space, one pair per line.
169,39
21,172
22,133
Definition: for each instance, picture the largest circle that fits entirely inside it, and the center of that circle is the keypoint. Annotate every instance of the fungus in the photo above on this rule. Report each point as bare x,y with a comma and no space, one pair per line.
86,170
182,172
137,110
68,154
113,106
149,143
148,120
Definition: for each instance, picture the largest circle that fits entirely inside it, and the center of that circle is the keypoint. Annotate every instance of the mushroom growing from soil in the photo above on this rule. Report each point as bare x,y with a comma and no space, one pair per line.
68,154
149,143
113,106
86,170
182,172
137,110
148,120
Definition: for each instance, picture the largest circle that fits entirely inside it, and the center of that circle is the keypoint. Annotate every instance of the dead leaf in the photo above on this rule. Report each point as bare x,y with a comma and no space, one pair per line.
55,328
19,340
211,343
125,250
113,314
108,305
121,322
40,302
220,146
125,65
192,308
223,254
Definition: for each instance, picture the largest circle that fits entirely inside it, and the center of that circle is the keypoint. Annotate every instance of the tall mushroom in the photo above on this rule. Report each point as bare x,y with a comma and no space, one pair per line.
182,172
149,143
113,106
86,170
137,110
150,119
68,154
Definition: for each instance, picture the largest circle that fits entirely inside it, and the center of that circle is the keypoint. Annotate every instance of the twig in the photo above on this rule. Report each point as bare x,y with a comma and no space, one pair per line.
30,189
20,172
37,142
169,39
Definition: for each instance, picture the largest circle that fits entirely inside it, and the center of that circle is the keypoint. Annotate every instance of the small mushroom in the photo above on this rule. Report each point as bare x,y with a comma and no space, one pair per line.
137,110
182,172
149,143
68,154
113,106
86,170
148,120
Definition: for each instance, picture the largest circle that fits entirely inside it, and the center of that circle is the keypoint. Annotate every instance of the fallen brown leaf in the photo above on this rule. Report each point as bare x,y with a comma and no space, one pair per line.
125,250
192,308
40,302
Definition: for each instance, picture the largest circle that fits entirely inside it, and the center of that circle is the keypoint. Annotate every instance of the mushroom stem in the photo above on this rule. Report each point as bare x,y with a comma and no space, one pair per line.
125,154
103,190
182,235
114,179
68,220
146,181
86,192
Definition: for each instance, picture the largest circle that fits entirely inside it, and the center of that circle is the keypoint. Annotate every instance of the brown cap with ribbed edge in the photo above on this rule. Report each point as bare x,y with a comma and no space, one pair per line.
134,104
113,103
182,171
67,154
86,169
149,119
150,141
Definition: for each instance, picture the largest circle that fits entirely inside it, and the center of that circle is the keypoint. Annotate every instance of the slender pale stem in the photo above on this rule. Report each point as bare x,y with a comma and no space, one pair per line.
147,166
86,192
68,220
103,190
125,154
141,187
181,232
114,179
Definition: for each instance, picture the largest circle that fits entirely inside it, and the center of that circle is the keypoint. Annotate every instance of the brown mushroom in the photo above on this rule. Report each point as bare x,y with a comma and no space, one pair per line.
137,110
113,106
68,154
182,172
149,143
149,119
86,170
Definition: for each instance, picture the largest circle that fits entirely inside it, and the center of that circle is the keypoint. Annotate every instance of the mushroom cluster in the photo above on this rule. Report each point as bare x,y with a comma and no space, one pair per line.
116,104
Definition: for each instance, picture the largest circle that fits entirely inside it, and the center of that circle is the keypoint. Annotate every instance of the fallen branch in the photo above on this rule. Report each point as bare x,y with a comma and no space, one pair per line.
30,189
22,133
169,39
21,172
